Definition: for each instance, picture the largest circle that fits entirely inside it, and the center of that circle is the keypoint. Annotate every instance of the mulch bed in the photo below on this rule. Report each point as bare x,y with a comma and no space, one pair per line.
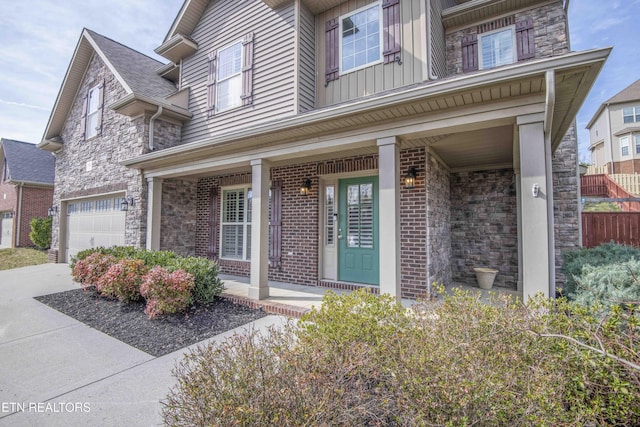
160,336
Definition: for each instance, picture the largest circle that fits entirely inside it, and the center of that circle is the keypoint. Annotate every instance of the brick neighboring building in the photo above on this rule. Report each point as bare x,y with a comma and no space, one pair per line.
26,190
388,144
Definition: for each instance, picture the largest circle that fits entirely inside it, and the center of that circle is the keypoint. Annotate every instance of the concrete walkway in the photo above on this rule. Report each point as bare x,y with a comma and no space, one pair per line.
56,371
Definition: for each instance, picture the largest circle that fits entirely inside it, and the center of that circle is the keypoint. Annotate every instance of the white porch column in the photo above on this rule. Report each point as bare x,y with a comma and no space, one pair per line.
154,205
536,225
259,286
389,214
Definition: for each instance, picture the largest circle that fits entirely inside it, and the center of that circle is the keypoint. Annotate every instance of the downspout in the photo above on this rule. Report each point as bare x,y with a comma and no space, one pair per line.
19,215
430,75
549,106
151,126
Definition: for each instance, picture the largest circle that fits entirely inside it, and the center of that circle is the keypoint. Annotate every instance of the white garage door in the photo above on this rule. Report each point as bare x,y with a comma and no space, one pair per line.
94,222
6,230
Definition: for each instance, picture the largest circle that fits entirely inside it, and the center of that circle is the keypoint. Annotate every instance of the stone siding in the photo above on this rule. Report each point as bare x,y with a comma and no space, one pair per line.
178,220
439,254
484,230
550,34
566,199
121,138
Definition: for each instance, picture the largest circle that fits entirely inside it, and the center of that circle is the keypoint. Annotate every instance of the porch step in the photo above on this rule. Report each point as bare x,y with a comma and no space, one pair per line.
347,286
267,306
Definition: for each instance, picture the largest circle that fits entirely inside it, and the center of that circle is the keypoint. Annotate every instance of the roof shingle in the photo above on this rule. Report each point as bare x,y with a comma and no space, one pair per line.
27,163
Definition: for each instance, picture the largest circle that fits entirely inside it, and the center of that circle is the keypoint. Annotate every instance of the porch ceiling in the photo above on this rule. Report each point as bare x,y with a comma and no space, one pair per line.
462,118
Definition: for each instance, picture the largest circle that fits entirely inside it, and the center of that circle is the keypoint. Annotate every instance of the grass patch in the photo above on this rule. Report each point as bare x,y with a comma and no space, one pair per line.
21,257
601,207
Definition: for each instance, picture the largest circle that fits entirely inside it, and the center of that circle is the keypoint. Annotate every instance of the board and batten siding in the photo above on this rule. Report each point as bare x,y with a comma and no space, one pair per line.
376,78
307,60
223,23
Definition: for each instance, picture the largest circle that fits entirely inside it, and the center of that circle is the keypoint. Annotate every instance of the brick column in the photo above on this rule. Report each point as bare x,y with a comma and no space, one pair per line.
535,223
154,205
389,206
259,285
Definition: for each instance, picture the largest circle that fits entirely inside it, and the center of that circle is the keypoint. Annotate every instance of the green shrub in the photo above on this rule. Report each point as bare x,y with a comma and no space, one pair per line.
166,292
607,285
205,274
607,253
123,279
362,360
40,233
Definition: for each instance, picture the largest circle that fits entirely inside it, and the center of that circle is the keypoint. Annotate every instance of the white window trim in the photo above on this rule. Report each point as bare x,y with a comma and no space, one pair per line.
626,138
635,111
247,221
90,113
636,142
218,80
380,45
489,33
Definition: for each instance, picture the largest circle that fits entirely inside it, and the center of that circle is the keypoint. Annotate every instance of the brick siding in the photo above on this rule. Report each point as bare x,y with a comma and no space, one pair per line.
36,202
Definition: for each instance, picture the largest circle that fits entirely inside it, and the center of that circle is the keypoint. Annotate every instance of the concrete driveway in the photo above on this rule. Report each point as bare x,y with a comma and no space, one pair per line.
56,371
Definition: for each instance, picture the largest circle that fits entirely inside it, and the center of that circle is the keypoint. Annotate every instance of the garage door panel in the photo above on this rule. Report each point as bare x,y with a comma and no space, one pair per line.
89,229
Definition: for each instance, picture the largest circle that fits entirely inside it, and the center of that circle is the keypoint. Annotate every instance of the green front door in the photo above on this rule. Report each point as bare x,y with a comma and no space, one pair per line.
358,244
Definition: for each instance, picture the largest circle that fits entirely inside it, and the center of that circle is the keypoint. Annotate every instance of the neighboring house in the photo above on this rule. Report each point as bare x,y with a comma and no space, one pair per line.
389,143
614,132
26,190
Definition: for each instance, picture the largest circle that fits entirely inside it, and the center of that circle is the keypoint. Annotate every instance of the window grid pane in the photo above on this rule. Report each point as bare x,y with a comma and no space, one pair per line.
229,77
497,49
624,146
638,144
236,224
329,205
361,38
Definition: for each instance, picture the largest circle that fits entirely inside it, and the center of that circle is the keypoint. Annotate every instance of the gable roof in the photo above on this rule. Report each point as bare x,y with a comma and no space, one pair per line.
135,71
26,163
628,94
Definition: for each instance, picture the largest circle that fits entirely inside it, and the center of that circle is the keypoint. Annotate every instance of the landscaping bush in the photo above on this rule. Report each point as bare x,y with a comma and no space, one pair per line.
607,253
40,233
205,275
362,360
123,279
607,285
166,292
89,270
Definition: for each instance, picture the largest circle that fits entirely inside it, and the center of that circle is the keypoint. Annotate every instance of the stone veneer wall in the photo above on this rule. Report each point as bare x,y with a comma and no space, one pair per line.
550,34
484,231
439,250
121,138
178,220
566,199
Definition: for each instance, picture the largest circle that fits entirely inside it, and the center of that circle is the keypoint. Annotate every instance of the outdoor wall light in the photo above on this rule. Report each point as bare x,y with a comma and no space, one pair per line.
52,211
306,187
535,190
410,178
124,204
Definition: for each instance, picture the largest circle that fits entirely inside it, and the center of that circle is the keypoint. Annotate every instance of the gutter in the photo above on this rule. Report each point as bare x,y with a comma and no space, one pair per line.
441,87
19,215
152,121
550,104
131,98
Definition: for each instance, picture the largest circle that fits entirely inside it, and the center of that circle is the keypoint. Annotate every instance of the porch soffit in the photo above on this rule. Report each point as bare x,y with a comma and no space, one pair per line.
514,85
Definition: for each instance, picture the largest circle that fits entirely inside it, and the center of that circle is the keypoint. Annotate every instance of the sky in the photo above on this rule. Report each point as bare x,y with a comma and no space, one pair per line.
38,38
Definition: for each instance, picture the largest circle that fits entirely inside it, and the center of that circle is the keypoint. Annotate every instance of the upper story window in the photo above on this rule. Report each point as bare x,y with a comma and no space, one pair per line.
496,43
631,114
91,122
637,136
497,48
360,38
230,76
624,145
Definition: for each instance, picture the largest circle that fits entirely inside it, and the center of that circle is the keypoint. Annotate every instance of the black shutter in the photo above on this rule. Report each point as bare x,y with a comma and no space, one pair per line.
332,49
211,85
525,45
247,69
391,30
470,53
275,226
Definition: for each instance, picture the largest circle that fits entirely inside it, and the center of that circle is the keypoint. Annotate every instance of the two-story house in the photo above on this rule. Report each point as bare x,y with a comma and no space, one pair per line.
26,190
614,132
388,143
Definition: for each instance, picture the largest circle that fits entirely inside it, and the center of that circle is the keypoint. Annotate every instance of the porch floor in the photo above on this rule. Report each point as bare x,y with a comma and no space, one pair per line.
294,300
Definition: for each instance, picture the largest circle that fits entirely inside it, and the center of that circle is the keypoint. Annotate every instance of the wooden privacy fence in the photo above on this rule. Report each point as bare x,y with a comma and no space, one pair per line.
603,186
603,227
630,182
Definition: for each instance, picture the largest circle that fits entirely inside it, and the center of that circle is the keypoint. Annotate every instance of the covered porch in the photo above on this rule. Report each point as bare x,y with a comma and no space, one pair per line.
503,123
